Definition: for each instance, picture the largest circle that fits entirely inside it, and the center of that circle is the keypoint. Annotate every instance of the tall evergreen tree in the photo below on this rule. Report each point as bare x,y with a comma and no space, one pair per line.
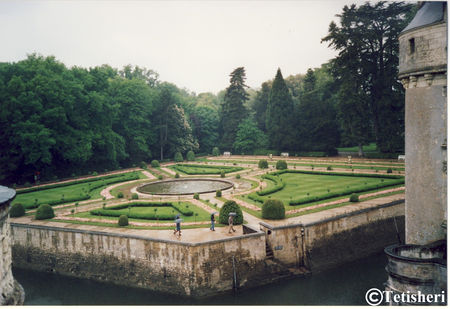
233,110
279,115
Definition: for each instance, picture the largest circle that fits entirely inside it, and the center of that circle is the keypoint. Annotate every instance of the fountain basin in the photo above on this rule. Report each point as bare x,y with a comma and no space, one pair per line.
184,186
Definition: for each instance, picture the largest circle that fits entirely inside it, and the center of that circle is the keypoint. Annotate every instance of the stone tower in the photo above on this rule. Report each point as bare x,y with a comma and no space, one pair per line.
11,292
419,267
423,73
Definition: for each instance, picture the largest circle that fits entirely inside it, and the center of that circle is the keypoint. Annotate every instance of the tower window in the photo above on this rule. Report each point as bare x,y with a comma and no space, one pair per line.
412,46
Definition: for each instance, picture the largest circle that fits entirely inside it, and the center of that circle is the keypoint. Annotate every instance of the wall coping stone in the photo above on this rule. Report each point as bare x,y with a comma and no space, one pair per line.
349,214
101,233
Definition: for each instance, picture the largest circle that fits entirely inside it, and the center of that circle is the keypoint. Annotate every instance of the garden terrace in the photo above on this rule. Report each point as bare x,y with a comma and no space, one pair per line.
296,188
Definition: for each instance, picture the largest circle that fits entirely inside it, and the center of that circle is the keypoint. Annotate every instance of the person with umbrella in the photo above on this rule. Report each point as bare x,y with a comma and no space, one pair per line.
178,225
212,221
230,221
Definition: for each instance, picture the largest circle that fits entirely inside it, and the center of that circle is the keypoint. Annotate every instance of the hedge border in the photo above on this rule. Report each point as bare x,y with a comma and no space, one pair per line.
225,169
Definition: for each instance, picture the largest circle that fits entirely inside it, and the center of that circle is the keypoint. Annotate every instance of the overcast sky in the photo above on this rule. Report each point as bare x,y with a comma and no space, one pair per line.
193,44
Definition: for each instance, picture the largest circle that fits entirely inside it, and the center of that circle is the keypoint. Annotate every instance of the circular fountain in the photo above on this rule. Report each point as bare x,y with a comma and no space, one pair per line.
184,186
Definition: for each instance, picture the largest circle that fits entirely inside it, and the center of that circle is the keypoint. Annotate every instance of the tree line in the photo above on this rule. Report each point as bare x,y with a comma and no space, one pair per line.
59,121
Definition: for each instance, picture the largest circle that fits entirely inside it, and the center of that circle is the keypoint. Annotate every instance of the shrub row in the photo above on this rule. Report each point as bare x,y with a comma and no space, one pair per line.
225,169
339,174
279,185
65,184
358,189
255,197
110,211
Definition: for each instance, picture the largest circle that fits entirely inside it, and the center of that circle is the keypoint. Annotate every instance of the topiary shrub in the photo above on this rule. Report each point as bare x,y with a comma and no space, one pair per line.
178,157
190,156
134,196
143,165
329,168
160,177
196,196
238,176
17,210
177,175
263,164
231,206
273,209
222,174
215,152
94,173
120,195
45,211
219,193
354,198
281,165
154,163
389,170
123,220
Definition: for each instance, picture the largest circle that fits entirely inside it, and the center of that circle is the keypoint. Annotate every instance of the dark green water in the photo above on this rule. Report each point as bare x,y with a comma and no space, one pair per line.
345,285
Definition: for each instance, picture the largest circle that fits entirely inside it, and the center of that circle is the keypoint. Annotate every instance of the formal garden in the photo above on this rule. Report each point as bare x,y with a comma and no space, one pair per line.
262,187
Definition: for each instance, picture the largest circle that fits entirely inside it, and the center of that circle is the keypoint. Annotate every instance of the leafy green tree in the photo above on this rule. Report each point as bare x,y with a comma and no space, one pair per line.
367,63
279,115
249,137
205,124
232,110
259,105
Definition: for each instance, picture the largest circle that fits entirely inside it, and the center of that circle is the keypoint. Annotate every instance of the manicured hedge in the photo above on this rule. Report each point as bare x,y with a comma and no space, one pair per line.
273,209
255,197
338,174
44,211
231,206
110,211
17,210
123,220
218,168
279,185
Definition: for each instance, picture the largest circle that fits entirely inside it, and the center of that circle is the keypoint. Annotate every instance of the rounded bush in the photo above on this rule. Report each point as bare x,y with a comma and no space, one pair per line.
190,156
154,163
219,193
281,165
160,177
177,175
196,196
231,206
329,168
123,220
134,196
120,195
178,157
354,198
222,174
215,152
45,211
273,209
389,170
143,165
238,176
17,210
263,164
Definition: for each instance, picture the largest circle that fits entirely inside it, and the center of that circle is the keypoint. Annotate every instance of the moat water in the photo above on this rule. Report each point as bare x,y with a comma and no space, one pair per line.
345,285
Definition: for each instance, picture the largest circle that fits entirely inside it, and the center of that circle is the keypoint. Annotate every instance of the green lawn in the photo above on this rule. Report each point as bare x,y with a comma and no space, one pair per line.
69,192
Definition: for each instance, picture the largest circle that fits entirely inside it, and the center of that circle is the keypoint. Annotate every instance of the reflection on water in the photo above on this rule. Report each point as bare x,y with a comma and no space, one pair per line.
188,186
345,285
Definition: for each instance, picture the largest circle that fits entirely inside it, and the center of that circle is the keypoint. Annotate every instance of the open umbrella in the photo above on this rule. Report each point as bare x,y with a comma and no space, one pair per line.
232,214
214,213
178,220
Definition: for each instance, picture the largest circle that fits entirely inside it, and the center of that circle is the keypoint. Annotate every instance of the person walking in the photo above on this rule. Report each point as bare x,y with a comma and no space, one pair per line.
230,223
178,226
212,222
